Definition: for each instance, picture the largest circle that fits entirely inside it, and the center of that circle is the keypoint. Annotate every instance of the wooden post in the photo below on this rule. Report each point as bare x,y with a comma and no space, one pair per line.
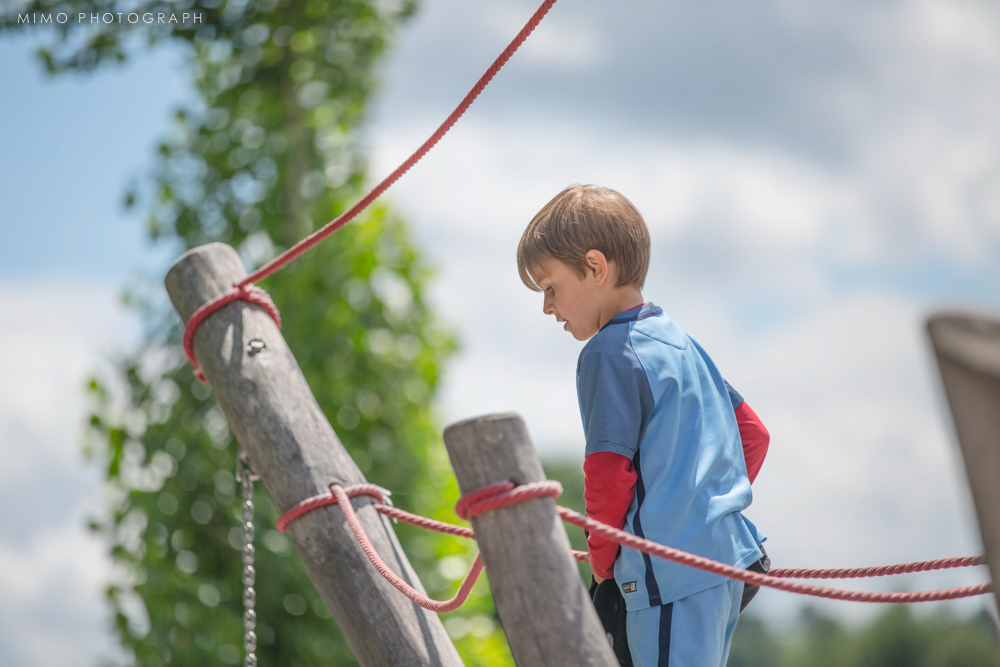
293,448
544,608
967,346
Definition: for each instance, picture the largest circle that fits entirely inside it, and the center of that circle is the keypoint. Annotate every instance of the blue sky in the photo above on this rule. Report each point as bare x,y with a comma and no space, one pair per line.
816,178
71,146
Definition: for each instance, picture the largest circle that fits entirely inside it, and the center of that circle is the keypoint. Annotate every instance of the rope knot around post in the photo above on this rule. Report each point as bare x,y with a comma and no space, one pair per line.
491,496
500,494
249,293
506,493
323,499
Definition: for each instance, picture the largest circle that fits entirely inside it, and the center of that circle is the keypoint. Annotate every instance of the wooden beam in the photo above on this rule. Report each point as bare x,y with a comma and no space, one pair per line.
544,608
293,448
967,346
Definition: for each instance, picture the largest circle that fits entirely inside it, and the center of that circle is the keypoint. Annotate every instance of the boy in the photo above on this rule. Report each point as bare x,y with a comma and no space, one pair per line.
664,455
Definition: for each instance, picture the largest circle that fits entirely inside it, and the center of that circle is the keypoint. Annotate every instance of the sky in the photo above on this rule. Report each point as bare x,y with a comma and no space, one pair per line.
816,178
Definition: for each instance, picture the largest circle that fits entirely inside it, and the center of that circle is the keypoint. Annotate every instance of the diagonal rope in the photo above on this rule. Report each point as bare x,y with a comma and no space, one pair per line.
245,291
345,217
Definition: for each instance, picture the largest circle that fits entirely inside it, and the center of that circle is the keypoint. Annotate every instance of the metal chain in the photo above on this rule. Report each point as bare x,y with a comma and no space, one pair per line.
245,477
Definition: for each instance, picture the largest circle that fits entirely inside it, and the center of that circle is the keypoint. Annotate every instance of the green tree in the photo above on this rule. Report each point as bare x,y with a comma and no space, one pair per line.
753,644
570,475
265,153
966,643
894,637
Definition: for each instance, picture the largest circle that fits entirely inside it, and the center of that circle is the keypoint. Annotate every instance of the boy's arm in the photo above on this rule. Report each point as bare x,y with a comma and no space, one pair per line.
615,403
609,485
753,435
755,439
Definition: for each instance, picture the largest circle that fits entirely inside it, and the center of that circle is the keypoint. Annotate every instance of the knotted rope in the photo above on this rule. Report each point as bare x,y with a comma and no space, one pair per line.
505,493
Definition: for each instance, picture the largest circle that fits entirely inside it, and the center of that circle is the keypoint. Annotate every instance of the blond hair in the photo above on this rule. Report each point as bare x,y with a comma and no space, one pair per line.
583,218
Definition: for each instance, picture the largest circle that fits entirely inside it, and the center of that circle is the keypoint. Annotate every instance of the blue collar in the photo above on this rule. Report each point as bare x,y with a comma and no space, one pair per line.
647,309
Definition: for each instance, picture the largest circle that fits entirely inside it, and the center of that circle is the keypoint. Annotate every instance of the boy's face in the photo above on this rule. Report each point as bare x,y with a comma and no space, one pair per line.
570,298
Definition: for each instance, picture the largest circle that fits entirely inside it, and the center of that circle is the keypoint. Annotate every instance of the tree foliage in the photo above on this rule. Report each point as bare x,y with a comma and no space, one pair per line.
265,152
895,637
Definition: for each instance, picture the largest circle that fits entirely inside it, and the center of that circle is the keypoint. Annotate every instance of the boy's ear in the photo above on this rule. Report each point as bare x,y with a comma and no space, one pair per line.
597,263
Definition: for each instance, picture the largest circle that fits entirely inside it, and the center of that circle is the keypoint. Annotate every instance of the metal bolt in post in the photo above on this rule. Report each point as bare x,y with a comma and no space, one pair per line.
244,475
285,436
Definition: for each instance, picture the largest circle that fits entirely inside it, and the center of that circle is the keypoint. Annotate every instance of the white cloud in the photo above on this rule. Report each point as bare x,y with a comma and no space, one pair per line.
489,178
568,44
52,590
894,106
860,470
965,31
750,243
774,149
51,569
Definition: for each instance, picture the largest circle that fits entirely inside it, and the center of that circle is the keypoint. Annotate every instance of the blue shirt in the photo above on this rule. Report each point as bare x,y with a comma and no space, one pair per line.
649,392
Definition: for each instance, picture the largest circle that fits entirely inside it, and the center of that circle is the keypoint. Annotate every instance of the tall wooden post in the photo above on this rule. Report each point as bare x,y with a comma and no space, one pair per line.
293,448
967,346
544,608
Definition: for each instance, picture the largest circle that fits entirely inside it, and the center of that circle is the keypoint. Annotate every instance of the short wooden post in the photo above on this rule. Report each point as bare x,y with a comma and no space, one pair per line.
967,346
544,608
293,448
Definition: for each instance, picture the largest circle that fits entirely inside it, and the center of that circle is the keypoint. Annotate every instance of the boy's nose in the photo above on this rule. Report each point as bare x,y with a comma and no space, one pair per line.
549,305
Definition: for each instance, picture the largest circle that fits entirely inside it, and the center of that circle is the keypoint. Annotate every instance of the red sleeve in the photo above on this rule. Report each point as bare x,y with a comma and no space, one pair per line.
755,439
609,485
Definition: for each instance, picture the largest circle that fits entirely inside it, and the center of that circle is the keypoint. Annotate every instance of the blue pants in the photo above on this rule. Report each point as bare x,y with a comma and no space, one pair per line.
695,631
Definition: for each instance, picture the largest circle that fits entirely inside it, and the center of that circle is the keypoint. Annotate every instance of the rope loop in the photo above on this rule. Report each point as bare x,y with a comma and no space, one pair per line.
500,494
249,293
343,500
329,498
503,493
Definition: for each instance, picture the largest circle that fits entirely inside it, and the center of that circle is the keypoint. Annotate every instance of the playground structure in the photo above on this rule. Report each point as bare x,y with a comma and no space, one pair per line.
351,552
283,432
967,347
544,608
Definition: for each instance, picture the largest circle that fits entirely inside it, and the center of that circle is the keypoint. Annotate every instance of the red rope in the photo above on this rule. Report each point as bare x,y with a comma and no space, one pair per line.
326,230
750,577
323,499
434,605
500,494
249,293
881,571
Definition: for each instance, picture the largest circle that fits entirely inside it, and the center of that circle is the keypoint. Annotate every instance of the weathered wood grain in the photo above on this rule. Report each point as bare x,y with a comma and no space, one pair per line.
544,608
293,448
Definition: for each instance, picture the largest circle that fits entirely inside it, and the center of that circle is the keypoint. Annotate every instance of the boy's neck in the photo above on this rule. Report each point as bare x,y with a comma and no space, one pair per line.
618,300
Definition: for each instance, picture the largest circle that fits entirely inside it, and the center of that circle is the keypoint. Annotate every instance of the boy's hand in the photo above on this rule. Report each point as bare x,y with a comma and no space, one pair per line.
592,569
